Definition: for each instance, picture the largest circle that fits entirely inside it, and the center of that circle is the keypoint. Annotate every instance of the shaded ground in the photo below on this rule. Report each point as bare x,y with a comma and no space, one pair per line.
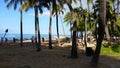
14,56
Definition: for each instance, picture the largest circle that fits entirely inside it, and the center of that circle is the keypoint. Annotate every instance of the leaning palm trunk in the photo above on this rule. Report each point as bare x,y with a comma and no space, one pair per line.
21,30
50,30
80,3
107,35
85,37
118,4
101,28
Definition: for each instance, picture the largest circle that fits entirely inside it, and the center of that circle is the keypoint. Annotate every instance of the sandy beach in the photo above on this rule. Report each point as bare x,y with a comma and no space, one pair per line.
14,56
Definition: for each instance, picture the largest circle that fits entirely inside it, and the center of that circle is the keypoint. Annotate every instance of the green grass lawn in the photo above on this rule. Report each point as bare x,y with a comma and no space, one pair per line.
113,51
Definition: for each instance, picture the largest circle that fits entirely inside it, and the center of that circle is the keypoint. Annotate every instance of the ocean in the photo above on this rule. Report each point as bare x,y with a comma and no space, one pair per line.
25,36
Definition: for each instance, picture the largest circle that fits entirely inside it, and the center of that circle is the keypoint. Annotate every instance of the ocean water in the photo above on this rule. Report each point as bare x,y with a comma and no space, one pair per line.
25,36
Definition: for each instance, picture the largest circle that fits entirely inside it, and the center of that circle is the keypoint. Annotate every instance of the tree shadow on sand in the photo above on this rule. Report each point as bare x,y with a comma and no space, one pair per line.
12,56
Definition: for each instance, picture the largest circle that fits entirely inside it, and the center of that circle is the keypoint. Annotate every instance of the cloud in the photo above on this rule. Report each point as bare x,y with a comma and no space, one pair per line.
47,13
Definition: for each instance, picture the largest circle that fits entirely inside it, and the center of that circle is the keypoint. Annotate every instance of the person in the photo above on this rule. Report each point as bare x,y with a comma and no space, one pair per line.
43,39
32,39
6,40
67,39
80,42
14,40
1,41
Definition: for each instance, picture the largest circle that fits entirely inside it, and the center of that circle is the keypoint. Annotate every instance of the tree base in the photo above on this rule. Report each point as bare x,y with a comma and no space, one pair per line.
89,51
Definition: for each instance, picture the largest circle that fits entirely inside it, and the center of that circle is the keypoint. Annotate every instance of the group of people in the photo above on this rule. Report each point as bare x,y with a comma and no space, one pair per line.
2,40
33,39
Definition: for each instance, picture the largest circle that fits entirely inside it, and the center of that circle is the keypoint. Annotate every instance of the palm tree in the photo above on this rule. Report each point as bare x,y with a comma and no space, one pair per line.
101,28
55,9
21,27
15,3
118,5
37,5
50,29
95,18
108,16
74,46
86,17
38,41
56,13
56,5
60,12
29,4
62,26
80,3
117,10
85,25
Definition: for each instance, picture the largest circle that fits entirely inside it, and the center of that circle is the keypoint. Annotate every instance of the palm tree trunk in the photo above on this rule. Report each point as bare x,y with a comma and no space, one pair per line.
37,31
35,28
107,35
71,30
74,45
101,28
50,30
85,25
21,30
96,29
57,29
57,24
85,37
39,37
80,3
118,4
95,21
88,7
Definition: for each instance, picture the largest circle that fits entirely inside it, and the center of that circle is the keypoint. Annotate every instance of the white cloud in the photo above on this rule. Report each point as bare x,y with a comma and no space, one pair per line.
47,13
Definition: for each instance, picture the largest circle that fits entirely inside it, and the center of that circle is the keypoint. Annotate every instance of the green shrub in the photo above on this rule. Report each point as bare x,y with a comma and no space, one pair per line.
105,45
116,48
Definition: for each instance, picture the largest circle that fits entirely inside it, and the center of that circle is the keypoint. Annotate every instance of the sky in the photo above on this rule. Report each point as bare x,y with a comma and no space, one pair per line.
10,19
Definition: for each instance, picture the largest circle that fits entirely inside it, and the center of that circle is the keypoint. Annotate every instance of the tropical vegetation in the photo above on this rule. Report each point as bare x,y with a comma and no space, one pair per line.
101,18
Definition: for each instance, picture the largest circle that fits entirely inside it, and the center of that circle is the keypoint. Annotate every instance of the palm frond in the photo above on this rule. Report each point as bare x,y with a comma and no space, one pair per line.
15,4
10,4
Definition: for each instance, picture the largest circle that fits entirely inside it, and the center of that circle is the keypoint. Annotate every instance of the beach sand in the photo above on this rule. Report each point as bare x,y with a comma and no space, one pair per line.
14,56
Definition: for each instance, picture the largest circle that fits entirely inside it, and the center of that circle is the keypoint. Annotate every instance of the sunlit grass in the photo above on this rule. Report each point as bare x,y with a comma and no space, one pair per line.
113,51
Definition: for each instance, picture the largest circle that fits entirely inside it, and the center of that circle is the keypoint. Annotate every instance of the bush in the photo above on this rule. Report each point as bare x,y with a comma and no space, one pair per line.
105,45
116,48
